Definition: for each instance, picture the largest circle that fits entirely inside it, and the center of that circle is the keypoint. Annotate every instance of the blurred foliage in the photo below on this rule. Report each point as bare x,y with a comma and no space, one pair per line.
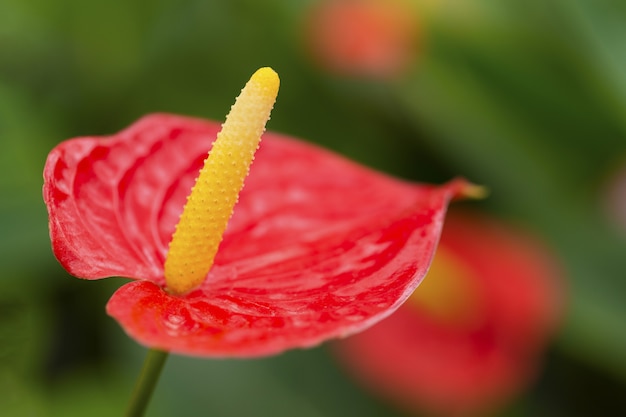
517,101
527,97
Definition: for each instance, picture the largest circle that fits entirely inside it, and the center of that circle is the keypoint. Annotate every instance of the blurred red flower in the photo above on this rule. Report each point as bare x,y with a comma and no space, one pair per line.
318,247
371,38
470,338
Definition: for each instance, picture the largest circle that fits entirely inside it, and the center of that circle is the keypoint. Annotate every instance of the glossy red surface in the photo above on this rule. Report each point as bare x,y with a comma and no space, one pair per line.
318,246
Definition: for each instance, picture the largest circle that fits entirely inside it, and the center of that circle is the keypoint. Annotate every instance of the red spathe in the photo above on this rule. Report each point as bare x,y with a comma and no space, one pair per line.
318,246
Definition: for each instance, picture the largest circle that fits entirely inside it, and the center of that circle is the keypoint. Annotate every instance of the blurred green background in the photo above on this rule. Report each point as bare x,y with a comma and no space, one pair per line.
525,96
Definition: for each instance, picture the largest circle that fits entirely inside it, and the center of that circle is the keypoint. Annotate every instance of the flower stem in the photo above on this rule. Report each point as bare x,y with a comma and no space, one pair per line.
146,382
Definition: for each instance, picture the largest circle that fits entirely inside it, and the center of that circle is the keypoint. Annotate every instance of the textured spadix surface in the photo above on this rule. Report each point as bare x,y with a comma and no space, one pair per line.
318,246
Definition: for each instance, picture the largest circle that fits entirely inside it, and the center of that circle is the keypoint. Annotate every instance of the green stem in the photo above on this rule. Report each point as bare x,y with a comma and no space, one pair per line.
148,379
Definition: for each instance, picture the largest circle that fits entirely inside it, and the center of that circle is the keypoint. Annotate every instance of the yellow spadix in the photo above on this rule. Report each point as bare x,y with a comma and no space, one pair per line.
210,205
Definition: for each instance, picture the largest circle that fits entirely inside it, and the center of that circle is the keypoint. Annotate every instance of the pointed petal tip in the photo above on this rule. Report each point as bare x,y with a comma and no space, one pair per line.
463,188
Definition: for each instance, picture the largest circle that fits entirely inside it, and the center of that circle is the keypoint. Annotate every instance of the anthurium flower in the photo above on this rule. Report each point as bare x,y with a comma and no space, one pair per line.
317,246
471,336
371,38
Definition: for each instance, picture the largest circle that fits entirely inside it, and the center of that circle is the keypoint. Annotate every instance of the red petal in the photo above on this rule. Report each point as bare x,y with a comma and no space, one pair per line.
318,246
109,198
